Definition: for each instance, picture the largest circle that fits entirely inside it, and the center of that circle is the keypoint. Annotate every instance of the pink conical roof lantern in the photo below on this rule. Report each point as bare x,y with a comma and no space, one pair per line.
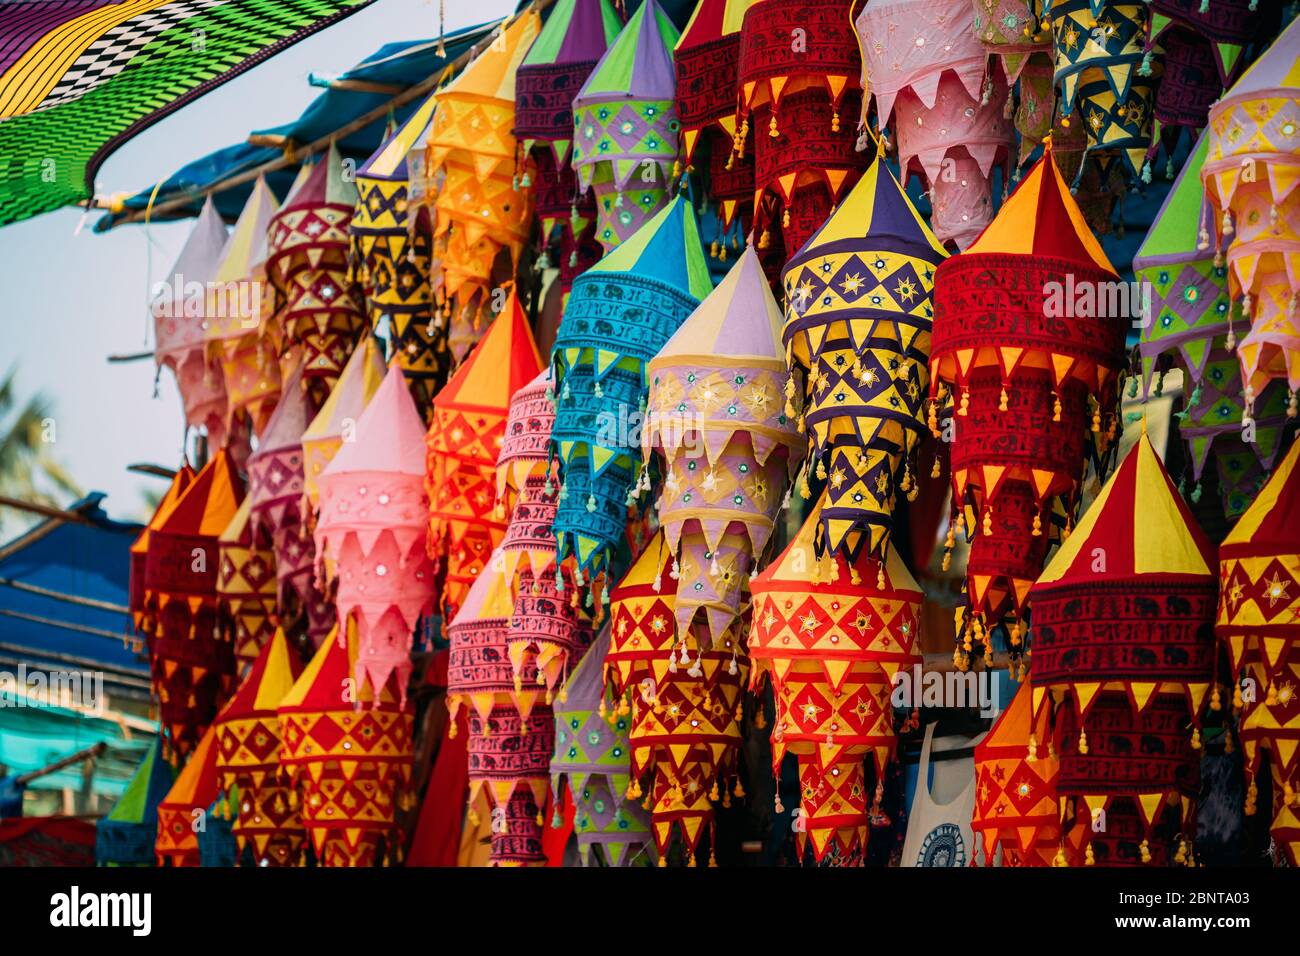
177,331
179,314
372,523
389,436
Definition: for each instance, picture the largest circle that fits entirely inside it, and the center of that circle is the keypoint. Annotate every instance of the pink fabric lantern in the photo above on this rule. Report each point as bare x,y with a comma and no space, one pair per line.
547,633
1250,177
924,65
178,315
373,511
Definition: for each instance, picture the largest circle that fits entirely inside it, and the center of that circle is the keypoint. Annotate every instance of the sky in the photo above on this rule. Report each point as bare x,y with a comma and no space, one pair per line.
69,298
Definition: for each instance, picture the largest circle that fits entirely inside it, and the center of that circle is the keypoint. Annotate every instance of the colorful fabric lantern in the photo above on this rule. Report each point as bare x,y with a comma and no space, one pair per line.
1022,378
178,313
1100,69
140,602
684,705
1123,639
831,634
707,59
1259,623
512,731
482,207
347,749
1017,34
716,414
275,487
239,303
574,38
799,69
927,70
547,633
1250,176
625,126
621,313
1203,45
126,836
373,512
526,482
246,589
1016,769
184,812
320,310
248,759
192,667
1192,312
592,764
464,440
392,247
857,328
336,422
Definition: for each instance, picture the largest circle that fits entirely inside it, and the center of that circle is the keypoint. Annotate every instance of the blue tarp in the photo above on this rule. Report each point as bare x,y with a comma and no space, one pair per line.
80,562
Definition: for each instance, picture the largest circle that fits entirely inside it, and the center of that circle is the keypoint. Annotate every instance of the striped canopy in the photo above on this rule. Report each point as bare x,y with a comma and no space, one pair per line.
79,78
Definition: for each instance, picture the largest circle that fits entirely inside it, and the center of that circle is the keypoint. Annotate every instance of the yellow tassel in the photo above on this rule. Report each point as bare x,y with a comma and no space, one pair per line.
1002,400
764,240
835,120
936,472
963,409
1038,526
1059,859
821,470
1196,738
880,577
988,521
1083,742
1033,748
1216,702
771,127
1056,407
739,791
1144,848
785,218
1088,858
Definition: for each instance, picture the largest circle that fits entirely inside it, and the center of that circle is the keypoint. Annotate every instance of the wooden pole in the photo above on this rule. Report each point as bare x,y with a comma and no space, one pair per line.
89,753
